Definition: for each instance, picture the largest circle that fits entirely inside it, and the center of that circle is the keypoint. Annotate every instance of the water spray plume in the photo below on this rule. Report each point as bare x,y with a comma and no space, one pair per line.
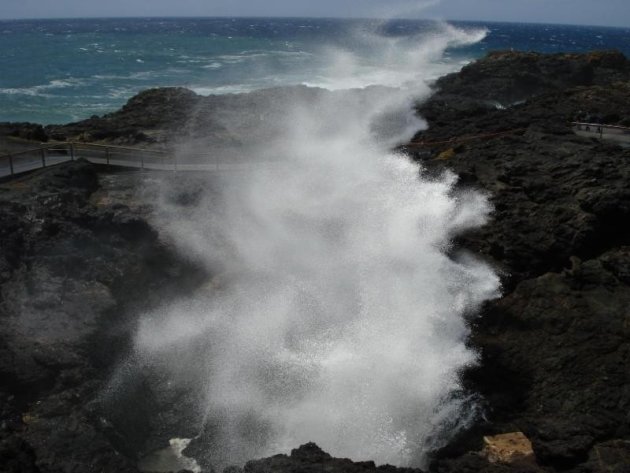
340,317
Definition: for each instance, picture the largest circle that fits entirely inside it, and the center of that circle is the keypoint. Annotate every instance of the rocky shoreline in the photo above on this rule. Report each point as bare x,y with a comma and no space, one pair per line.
555,348
80,260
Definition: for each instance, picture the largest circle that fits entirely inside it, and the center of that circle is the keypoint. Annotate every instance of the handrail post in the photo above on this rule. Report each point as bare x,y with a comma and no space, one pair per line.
72,151
142,161
107,155
11,164
43,157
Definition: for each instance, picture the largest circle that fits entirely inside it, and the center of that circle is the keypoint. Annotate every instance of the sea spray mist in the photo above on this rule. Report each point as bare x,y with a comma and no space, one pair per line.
337,314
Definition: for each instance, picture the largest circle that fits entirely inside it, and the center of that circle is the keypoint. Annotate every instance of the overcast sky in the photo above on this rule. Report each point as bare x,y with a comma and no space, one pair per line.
593,12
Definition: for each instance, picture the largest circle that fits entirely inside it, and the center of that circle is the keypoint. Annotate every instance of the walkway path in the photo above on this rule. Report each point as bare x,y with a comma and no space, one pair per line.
613,133
50,154
137,158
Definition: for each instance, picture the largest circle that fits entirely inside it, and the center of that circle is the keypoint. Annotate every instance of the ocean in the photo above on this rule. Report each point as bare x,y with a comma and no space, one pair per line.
59,71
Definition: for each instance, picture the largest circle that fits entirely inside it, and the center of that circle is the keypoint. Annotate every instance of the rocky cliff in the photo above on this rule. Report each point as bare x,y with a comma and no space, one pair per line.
556,347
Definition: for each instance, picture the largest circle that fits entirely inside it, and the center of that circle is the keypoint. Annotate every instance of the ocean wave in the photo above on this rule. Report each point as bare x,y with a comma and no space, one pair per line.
111,76
121,93
231,58
223,89
38,90
291,53
213,65
121,77
142,75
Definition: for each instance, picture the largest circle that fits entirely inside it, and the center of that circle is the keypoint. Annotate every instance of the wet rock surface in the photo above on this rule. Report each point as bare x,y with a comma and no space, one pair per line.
79,262
310,458
556,347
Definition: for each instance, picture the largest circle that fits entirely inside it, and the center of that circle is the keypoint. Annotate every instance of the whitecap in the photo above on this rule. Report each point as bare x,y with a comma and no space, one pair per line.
38,90
223,89
231,59
213,65
141,75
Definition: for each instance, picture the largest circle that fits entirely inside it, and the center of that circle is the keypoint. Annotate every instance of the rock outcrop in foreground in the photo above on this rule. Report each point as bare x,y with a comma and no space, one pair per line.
76,267
309,458
79,261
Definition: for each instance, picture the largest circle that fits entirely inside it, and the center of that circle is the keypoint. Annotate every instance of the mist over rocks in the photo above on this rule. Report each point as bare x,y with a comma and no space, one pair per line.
175,117
74,268
81,244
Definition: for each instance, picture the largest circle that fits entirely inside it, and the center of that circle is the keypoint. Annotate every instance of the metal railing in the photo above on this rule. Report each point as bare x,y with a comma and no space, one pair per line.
617,134
47,154
58,152
586,126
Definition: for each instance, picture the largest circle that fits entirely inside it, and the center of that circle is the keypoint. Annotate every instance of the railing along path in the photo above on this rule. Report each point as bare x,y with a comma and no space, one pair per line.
617,133
49,154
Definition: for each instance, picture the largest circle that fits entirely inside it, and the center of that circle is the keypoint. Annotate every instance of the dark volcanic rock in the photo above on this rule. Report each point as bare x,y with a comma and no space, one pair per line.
152,116
507,76
555,196
25,131
172,117
555,349
74,272
566,337
309,458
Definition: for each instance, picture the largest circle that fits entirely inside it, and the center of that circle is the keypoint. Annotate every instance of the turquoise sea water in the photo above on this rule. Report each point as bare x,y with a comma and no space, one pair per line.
55,71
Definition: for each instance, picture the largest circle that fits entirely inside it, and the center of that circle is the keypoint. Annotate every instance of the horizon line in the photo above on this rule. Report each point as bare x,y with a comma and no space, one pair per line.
323,17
